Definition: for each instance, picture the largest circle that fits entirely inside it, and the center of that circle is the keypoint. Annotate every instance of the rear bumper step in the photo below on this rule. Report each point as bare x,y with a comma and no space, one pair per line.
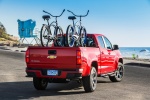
62,74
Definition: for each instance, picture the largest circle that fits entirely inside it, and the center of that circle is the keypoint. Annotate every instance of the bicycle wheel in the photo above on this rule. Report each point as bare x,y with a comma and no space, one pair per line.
59,36
45,35
83,37
69,40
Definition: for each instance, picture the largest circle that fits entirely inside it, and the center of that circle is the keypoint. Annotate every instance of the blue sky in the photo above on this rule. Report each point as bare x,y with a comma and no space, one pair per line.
124,22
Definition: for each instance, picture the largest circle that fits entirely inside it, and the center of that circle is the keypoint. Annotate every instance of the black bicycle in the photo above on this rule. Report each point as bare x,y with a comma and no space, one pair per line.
51,33
74,38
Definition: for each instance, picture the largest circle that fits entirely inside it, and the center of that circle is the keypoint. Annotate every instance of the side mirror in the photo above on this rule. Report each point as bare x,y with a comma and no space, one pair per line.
115,47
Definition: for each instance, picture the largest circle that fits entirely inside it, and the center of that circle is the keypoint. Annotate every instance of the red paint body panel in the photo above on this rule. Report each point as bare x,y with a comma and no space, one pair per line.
64,59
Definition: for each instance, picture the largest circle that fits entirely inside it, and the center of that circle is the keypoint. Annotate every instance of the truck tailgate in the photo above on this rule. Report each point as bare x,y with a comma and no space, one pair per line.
53,57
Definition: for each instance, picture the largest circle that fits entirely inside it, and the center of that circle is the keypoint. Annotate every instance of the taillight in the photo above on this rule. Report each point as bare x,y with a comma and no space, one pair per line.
79,57
27,56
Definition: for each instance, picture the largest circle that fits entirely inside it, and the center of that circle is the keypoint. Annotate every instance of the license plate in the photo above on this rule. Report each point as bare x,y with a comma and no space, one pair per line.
52,72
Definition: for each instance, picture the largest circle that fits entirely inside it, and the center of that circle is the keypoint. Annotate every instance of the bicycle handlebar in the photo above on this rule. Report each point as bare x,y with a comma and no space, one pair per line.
78,15
52,15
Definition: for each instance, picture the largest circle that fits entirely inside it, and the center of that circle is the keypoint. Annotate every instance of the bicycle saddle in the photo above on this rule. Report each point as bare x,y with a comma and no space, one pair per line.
72,17
47,17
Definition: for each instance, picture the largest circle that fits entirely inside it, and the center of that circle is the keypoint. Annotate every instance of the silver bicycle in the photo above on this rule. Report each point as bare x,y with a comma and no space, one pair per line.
51,33
76,37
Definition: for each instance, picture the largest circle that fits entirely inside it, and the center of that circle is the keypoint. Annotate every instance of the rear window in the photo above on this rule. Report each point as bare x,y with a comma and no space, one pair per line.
90,42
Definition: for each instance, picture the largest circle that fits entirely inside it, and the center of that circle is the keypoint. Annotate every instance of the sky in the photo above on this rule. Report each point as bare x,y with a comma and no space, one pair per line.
124,22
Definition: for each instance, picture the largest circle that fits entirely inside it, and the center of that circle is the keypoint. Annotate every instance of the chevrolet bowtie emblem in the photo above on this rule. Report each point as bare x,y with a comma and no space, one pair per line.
52,57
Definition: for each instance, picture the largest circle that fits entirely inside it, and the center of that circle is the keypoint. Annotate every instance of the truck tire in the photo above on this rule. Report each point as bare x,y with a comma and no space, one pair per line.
40,83
90,82
119,73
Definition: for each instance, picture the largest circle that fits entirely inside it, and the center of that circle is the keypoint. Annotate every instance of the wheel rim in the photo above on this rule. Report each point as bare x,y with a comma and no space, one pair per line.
45,35
71,44
70,39
43,82
119,73
94,78
83,37
59,37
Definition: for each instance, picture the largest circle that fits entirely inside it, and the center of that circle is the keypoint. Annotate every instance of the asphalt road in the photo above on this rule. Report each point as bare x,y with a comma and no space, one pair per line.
14,85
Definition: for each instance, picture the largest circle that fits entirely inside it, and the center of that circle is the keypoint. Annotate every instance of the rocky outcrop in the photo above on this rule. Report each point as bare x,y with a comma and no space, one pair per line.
6,39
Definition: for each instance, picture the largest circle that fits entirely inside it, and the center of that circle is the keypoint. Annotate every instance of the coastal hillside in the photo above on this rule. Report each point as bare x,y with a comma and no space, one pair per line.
6,38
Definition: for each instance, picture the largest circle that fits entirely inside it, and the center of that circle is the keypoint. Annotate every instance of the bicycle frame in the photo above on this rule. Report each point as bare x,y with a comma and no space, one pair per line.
51,36
54,24
51,30
75,26
75,36
80,24
54,16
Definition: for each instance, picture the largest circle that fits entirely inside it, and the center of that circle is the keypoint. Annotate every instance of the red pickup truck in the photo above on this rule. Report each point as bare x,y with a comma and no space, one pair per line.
62,64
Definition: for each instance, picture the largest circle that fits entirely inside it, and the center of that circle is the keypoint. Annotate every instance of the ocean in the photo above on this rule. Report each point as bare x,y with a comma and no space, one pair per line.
140,52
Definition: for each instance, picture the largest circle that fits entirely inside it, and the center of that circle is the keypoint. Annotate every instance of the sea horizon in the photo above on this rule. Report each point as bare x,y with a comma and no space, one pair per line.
139,52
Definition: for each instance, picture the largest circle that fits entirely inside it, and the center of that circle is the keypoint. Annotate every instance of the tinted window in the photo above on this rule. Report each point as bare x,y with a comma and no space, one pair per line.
108,44
101,42
90,42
